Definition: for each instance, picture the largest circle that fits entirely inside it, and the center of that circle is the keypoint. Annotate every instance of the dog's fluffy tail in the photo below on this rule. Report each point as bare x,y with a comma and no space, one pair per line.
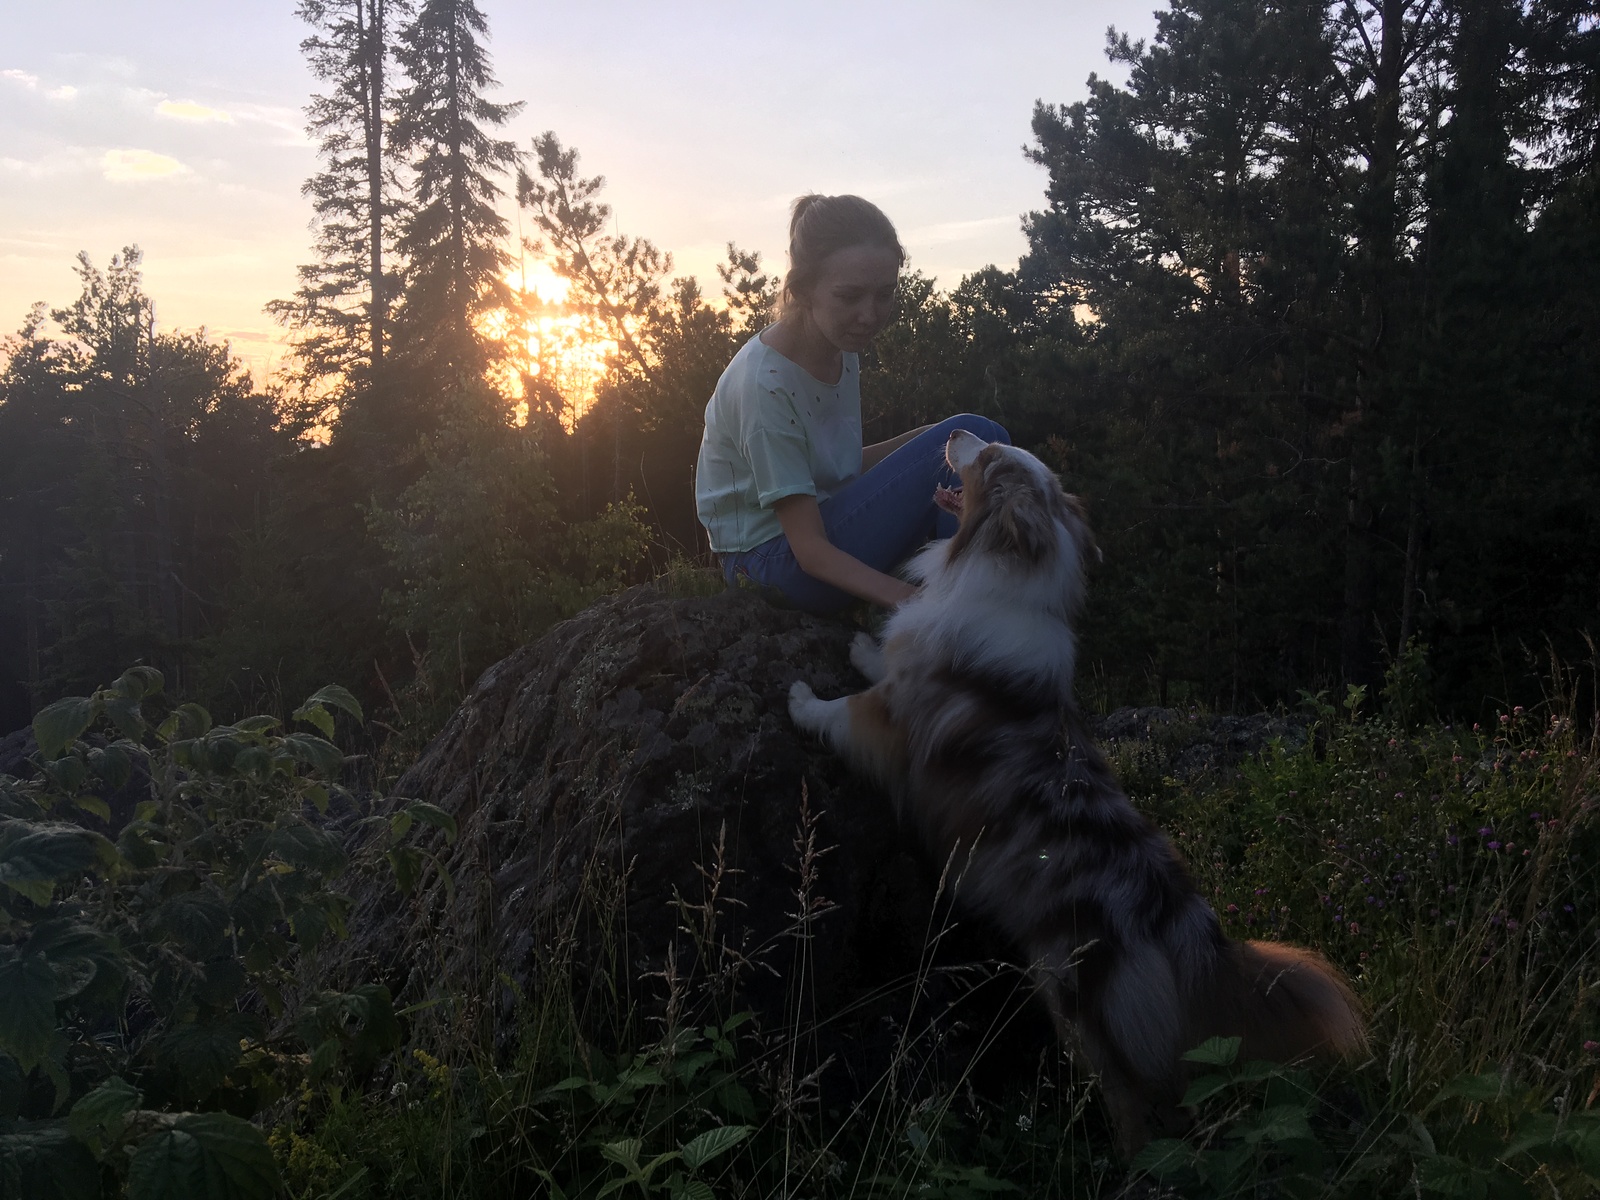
1286,1004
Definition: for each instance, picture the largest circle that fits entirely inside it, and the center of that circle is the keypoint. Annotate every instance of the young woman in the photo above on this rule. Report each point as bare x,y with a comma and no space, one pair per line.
787,492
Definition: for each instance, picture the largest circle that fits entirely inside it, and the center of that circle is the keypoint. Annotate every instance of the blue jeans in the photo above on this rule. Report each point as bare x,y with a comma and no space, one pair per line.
880,517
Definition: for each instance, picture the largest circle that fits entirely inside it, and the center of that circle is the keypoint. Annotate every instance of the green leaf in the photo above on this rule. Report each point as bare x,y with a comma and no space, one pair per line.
323,1060
689,1189
316,715
1285,1123
1166,1157
570,1084
28,1015
700,1150
308,848
257,724
199,919
44,852
625,1152
204,1156
67,774
1204,1088
200,1054
112,765
431,814
94,806
321,756
186,721
406,862
1477,1088
98,1119
40,1160
125,715
1215,1052
58,725
338,697
138,682
1450,1176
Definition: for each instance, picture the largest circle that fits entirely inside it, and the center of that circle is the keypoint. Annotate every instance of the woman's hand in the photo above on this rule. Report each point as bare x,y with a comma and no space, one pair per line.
819,558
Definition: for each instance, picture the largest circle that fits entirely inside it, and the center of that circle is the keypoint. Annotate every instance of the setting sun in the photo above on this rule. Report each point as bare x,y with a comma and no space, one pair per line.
550,342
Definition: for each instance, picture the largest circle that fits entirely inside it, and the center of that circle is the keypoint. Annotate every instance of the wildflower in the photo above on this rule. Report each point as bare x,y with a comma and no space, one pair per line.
1455,758
1534,816
1233,908
1452,840
1355,927
1566,908
1504,719
1494,845
1486,832
1591,1047
1513,924
1517,708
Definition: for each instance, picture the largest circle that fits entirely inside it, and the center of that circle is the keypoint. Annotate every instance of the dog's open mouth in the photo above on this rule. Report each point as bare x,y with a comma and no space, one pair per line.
948,499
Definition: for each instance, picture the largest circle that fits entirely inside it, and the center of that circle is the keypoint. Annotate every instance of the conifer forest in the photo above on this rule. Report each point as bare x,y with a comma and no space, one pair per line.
1308,316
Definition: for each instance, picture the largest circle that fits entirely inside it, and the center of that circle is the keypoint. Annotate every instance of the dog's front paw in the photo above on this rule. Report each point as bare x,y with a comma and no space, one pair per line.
803,705
867,656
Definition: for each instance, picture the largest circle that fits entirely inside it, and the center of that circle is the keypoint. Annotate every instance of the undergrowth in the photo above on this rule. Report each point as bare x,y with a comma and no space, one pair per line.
1450,870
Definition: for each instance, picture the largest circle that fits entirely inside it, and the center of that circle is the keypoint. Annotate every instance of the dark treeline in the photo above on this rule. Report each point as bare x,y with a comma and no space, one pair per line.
1308,315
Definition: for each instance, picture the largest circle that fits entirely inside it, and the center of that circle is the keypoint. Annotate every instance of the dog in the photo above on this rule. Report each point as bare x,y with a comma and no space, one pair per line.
971,726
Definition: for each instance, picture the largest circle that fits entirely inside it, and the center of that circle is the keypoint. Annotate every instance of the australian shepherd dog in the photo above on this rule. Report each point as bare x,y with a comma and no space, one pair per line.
971,726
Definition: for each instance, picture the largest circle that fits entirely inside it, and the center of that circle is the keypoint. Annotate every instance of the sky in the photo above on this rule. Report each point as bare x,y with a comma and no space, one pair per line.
177,125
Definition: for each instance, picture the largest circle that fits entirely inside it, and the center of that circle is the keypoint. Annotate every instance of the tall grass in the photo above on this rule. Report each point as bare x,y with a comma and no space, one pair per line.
1453,872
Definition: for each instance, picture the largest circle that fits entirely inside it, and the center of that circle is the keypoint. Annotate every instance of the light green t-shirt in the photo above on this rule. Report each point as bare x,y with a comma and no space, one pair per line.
772,430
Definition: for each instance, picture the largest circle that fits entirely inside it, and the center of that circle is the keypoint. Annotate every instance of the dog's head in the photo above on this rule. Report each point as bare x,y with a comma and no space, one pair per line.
1012,506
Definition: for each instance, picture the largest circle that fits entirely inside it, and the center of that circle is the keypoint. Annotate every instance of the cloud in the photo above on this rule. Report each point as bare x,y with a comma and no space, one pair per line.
31,81
188,110
127,165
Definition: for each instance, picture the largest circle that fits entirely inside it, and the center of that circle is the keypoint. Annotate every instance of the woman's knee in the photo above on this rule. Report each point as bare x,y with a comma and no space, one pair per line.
989,431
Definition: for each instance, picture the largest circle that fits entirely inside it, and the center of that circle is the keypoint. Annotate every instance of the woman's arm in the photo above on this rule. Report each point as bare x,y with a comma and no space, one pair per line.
874,454
819,558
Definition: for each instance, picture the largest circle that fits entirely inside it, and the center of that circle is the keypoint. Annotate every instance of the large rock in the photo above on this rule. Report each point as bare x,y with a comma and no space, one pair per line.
642,829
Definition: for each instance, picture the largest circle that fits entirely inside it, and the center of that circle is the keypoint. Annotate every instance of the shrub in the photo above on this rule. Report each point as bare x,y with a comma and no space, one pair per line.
148,1004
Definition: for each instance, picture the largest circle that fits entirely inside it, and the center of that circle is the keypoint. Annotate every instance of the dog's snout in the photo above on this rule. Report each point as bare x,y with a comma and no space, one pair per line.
961,448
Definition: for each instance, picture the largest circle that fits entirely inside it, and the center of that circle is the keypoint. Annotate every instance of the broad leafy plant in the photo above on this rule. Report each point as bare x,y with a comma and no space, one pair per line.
148,1005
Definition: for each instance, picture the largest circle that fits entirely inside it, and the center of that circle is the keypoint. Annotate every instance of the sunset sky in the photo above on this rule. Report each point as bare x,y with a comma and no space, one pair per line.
177,125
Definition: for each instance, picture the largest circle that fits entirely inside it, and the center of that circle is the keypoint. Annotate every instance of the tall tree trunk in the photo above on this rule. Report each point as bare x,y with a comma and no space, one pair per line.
458,201
370,17
1379,221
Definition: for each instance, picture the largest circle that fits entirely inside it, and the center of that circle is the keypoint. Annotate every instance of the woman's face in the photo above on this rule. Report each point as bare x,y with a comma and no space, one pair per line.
854,295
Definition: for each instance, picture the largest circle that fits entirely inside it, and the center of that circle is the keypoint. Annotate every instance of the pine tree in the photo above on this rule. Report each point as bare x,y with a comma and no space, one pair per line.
340,313
453,236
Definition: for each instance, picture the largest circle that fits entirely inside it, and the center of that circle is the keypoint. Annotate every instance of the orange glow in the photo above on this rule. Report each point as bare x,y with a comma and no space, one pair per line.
551,342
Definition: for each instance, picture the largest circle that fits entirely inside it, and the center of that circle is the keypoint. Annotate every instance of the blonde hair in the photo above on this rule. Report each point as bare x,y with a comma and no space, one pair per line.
820,225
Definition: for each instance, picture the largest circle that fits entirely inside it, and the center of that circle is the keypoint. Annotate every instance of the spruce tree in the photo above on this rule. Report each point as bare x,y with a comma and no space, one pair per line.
340,313
453,237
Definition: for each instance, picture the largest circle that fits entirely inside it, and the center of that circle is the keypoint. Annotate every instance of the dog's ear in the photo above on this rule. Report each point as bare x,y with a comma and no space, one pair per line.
1024,525
1088,546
